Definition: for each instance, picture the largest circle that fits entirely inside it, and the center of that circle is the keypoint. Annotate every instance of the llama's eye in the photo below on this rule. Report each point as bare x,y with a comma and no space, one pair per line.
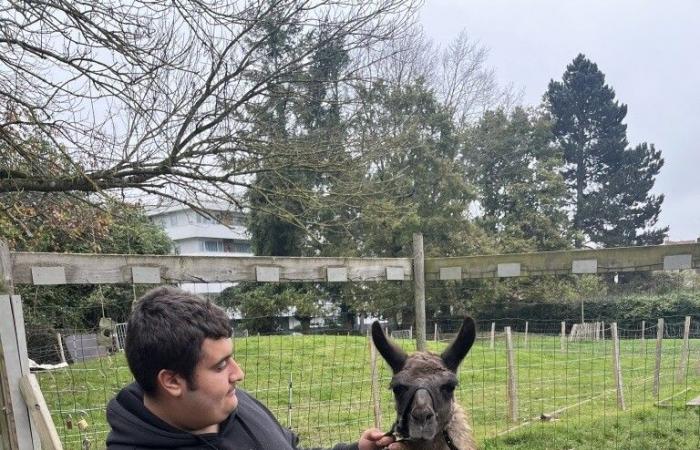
448,388
398,389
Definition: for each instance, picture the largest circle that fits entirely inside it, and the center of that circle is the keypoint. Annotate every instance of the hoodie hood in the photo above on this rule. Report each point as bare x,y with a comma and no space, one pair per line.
135,427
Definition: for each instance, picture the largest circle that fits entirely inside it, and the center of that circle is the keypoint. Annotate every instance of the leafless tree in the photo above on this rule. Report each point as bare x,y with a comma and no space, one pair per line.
458,73
153,96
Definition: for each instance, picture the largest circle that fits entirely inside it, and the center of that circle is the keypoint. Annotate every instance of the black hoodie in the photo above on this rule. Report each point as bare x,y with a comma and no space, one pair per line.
250,427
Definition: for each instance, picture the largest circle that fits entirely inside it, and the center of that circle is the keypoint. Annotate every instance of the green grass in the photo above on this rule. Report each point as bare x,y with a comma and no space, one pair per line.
321,387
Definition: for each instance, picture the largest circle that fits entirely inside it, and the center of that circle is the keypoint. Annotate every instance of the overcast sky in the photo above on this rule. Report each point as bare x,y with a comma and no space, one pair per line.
649,51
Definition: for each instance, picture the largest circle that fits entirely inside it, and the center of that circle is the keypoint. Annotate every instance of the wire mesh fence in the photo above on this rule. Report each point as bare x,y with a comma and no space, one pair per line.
562,360
558,389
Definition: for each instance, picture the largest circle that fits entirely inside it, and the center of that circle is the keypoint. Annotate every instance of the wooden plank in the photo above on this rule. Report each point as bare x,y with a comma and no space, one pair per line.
609,260
664,402
41,417
113,269
694,402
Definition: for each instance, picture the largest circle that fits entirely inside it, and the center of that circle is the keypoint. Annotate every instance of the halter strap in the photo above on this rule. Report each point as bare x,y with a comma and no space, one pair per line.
396,432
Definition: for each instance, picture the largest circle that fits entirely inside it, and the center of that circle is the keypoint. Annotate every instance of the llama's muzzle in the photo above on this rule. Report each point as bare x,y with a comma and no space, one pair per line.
422,422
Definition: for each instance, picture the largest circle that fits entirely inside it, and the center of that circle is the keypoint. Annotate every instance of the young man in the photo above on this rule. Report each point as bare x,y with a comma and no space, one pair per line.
179,350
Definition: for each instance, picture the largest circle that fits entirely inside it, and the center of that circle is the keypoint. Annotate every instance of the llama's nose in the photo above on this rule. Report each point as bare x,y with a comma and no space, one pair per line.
422,410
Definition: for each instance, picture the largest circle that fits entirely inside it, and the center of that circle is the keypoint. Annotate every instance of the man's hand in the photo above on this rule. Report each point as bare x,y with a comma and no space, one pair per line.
374,439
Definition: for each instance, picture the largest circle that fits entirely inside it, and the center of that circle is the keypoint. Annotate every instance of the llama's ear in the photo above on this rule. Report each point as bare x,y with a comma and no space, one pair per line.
455,353
391,353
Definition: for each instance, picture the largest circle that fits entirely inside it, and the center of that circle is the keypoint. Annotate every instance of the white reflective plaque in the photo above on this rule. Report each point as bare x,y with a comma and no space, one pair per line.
584,266
337,274
267,274
48,275
678,262
509,270
450,273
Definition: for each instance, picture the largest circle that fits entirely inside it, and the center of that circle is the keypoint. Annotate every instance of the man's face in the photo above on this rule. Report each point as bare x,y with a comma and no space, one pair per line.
216,374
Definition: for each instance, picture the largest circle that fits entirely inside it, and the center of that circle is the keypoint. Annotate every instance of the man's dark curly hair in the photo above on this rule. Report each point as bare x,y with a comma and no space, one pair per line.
166,330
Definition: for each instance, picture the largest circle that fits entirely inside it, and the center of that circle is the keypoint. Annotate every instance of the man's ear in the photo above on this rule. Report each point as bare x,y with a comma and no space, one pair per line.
171,383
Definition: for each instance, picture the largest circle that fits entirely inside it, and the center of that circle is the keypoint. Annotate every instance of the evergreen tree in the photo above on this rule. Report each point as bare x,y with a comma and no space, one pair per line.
610,183
522,195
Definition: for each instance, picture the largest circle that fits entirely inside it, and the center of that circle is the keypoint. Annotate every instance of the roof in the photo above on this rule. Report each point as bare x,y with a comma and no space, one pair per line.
207,206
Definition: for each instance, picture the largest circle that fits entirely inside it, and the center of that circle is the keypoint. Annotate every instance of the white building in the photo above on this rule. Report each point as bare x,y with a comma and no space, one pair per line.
195,234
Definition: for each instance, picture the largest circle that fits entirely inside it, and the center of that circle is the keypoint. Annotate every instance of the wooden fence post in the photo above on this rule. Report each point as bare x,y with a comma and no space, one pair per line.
289,401
657,365
435,334
8,433
512,379
683,364
375,382
617,366
493,334
40,413
61,352
644,324
562,340
526,330
15,365
16,429
419,289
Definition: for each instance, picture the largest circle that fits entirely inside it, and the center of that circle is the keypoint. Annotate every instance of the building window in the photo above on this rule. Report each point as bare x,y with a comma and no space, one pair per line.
211,245
243,247
237,247
204,219
173,219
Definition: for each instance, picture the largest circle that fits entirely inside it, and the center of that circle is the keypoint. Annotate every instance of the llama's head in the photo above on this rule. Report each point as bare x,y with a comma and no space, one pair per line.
424,383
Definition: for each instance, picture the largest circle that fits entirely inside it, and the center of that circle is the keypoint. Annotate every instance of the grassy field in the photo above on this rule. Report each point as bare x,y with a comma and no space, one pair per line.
321,387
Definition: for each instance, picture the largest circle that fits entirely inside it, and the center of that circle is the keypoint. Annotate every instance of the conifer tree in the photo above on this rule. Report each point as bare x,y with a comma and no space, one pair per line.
609,182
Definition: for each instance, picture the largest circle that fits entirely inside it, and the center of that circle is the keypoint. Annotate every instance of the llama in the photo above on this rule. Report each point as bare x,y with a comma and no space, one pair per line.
428,417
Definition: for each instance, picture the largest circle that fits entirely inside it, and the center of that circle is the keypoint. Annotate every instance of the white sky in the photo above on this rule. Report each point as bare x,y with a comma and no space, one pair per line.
649,51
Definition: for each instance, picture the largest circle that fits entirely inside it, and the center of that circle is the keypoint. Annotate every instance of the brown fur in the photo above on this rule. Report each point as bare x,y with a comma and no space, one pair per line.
424,365
424,385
